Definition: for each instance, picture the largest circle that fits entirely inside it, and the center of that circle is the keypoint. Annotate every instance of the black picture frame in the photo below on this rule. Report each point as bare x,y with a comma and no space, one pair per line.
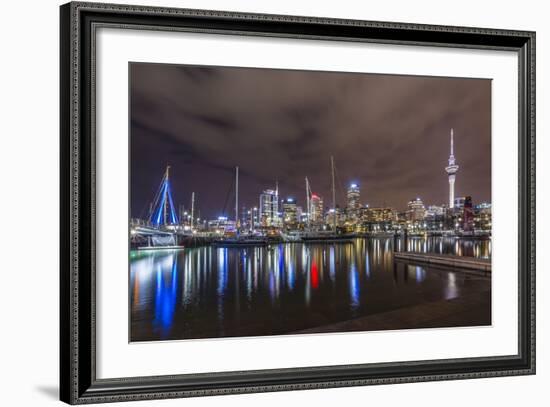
78,382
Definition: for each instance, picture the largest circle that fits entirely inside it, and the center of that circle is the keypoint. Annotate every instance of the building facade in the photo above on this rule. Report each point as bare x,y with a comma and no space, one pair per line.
269,208
290,213
378,215
416,211
468,215
483,217
353,202
316,210
436,217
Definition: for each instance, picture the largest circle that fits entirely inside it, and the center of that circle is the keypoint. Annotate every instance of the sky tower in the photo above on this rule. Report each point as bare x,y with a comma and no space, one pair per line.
451,171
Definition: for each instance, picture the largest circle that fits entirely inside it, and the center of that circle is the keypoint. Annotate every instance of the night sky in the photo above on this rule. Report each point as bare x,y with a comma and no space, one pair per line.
388,133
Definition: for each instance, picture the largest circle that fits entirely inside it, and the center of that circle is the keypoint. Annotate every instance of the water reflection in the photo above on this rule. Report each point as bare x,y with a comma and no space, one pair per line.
283,288
165,294
354,287
478,248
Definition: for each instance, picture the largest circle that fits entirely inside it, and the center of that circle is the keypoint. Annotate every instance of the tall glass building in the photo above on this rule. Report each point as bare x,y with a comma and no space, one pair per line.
290,213
353,205
269,208
316,209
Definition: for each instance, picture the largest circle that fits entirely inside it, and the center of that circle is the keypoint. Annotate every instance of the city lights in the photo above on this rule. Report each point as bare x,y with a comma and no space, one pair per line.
291,218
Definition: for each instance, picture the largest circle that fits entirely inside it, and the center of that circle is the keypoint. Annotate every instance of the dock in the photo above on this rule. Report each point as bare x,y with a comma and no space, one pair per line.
239,243
171,247
468,263
328,240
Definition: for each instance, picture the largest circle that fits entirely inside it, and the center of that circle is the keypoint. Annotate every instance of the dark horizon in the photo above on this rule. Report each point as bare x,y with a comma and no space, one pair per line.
388,133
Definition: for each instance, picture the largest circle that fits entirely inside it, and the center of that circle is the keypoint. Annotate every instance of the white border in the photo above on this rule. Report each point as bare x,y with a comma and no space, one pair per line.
117,358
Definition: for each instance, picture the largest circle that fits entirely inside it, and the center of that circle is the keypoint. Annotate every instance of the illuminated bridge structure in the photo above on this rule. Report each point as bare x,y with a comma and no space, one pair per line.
161,225
163,212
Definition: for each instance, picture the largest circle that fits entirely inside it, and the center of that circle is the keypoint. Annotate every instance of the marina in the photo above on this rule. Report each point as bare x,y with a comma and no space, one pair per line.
278,268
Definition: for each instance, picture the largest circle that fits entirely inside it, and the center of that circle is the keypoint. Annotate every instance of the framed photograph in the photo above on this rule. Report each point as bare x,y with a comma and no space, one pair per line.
256,203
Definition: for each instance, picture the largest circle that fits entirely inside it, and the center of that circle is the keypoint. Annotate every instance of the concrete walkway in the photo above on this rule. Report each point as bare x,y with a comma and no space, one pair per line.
448,260
469,310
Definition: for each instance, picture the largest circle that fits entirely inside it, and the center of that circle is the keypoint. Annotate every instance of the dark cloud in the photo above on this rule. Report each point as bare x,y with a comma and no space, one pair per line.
389,133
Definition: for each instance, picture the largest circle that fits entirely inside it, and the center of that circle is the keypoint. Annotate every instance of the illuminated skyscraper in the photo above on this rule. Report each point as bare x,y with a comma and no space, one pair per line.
316,204
290,213
353,196
269,208
451,170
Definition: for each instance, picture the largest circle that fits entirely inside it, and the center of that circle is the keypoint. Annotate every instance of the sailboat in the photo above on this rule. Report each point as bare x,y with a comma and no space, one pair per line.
324,236
239,240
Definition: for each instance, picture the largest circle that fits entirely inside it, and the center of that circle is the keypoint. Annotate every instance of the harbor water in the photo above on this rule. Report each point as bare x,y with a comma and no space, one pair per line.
285,288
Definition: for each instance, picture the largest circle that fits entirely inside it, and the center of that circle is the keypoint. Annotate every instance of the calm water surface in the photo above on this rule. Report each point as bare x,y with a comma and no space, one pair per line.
215,292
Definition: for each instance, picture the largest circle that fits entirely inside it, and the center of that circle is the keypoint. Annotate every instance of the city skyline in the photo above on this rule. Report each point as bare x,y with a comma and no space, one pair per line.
386,175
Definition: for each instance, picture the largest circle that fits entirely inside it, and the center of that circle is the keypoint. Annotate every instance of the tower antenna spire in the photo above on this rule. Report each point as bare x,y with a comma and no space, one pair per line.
333,195
452,144
451,171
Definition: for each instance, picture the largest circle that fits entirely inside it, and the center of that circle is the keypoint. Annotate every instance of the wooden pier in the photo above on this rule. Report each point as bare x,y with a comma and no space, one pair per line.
469,263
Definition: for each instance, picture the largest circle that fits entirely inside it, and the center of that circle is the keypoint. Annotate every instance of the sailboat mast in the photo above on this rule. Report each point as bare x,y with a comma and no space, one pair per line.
236,196
276,214
165,209
192,208
333,194
307,202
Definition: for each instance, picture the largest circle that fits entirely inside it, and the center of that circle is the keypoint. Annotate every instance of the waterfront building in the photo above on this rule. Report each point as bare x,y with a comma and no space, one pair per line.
435,210
340,217
331,217
362,213
468,215
290,213
401,219
316,209
482,216
416,210
269,208
377,219
436,217
353,204
451,171
379,215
